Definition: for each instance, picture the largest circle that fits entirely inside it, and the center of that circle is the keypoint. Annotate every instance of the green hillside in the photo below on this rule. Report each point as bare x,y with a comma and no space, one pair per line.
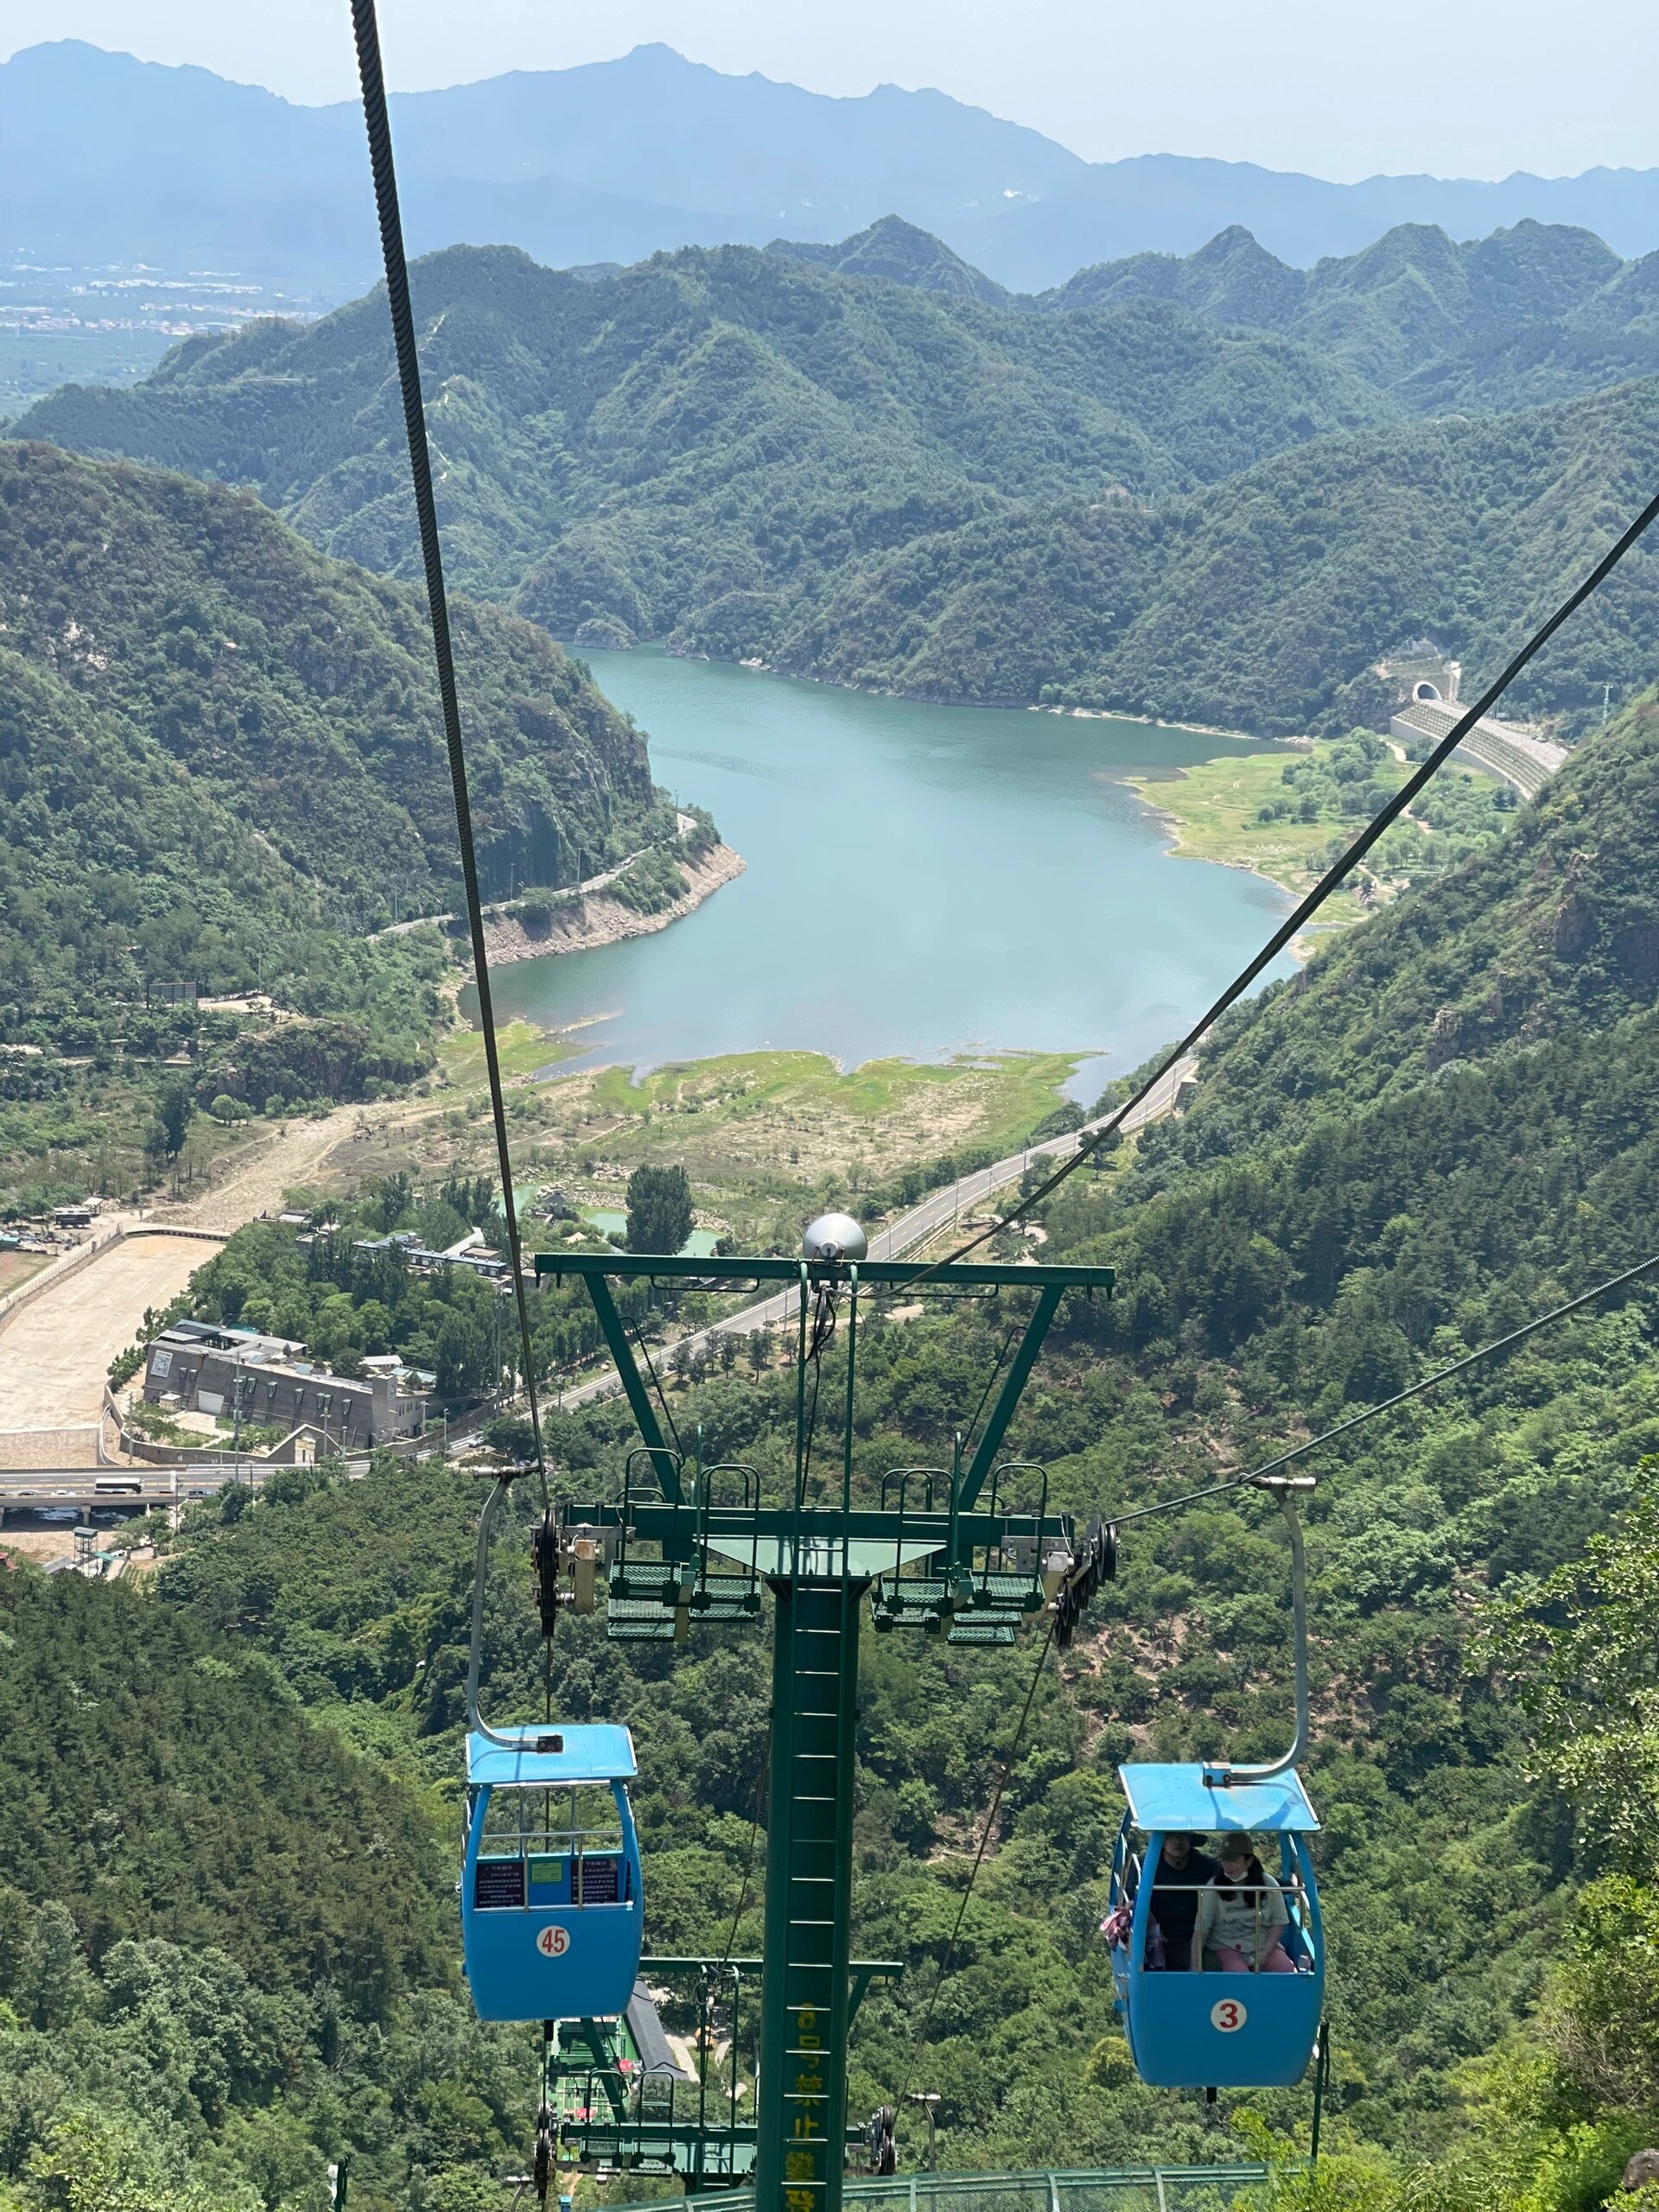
294,691
226,1951
1443,1126
639,450
1258,603
853,465
1539,312
221,763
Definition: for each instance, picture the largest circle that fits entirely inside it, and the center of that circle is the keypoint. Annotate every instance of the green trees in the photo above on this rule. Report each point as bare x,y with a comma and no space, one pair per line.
230,783
172,1111
463,1354
1578,1647
733,427
1124,500
659,1209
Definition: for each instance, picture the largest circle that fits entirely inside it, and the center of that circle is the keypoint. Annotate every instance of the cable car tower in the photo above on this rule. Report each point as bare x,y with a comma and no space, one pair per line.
967,1552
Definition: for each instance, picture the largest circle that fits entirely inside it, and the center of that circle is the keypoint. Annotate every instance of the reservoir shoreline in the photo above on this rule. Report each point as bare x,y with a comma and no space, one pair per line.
922,881
599,918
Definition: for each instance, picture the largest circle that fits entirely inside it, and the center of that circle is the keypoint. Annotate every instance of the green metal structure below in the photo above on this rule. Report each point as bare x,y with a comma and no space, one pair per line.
800,2151
966,1552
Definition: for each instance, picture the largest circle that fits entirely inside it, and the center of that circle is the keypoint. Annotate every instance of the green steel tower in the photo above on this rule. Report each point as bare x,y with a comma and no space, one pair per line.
968,1551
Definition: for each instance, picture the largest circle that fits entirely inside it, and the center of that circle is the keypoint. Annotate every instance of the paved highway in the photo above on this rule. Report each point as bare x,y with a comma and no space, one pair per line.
46,1488
35,1490
936,1211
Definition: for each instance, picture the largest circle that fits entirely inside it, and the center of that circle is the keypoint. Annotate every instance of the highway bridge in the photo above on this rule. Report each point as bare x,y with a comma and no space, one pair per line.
83,1491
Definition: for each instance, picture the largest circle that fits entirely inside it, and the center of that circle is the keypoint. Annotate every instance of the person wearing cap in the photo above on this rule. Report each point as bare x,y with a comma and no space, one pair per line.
1241,1915
1183,1872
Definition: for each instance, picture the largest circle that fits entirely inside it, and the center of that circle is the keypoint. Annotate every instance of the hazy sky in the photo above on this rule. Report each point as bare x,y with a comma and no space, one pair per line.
1341,88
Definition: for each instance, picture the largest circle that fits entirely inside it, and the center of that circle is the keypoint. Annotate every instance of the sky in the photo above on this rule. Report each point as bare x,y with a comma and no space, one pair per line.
1452,88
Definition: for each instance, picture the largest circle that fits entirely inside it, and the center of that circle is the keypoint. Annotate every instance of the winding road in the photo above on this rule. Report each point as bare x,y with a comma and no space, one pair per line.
935,1211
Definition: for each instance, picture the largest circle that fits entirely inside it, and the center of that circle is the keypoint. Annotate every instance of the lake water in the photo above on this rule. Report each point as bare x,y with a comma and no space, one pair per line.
922,880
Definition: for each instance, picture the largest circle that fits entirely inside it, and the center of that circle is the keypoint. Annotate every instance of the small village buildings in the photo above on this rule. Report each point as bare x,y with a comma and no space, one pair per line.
201,1367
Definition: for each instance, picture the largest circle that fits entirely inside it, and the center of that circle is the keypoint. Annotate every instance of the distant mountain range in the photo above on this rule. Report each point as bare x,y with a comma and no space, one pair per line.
1537,312
107,160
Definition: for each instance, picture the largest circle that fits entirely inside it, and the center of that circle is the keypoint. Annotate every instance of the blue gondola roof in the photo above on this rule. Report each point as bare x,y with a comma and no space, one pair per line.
601,1752
1167,1797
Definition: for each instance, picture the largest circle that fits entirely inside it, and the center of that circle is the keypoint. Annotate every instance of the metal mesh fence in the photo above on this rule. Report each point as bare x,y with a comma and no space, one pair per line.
1138,2189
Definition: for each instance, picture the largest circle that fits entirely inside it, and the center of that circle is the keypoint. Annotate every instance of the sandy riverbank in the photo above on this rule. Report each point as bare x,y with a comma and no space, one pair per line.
599,918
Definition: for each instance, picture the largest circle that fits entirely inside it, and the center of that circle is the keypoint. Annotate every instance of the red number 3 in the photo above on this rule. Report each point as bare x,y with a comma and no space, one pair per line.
1227,2016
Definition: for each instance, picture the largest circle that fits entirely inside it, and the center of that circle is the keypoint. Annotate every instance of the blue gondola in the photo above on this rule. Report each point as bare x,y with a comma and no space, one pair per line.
552,1900
1209,2030
1203,2031
551,1910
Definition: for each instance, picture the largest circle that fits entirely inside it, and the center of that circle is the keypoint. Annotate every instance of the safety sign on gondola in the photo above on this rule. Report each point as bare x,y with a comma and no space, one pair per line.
553,1942
1228,2015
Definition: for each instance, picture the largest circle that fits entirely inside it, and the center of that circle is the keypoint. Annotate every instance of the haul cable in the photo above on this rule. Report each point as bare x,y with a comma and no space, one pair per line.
1242,1482
1005,1769
1412,1390
377,125
1331,880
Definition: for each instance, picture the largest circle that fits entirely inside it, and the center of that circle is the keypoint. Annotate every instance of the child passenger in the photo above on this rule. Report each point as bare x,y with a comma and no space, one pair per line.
1242,1916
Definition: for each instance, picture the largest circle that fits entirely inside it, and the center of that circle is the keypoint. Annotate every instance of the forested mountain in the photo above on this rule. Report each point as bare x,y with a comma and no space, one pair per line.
638,449
1263,602
1443,1126
903,254
225,1950
1435,1131
255,742
901,485
1536,313
221,764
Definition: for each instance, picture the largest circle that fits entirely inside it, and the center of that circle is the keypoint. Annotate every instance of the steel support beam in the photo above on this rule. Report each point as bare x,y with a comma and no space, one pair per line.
801,2097
1008,1397
969,1274
645,1413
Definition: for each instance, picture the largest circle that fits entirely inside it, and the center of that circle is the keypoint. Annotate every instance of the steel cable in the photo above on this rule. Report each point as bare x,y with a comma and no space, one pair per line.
1387,1405
377,125
1331,880
1007,1768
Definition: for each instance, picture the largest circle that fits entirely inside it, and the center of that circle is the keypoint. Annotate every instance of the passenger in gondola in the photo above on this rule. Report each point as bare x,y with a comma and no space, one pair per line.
1241,1916
1183,1872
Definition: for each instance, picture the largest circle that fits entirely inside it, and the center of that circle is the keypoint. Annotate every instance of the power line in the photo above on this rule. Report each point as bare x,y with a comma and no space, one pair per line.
1331,880
379,127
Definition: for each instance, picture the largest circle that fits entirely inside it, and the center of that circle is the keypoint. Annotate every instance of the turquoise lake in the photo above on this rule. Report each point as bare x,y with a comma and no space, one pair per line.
922,880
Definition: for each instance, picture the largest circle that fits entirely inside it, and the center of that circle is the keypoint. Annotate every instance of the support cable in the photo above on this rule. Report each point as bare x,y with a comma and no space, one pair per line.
377,122
1006,1768
748,1862
1331,880
1387,1405
662,1398
972,1429
824,1329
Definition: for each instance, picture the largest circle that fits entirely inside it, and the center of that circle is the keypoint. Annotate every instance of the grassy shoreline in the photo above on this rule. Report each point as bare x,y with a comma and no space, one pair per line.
1212,810
766,1136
